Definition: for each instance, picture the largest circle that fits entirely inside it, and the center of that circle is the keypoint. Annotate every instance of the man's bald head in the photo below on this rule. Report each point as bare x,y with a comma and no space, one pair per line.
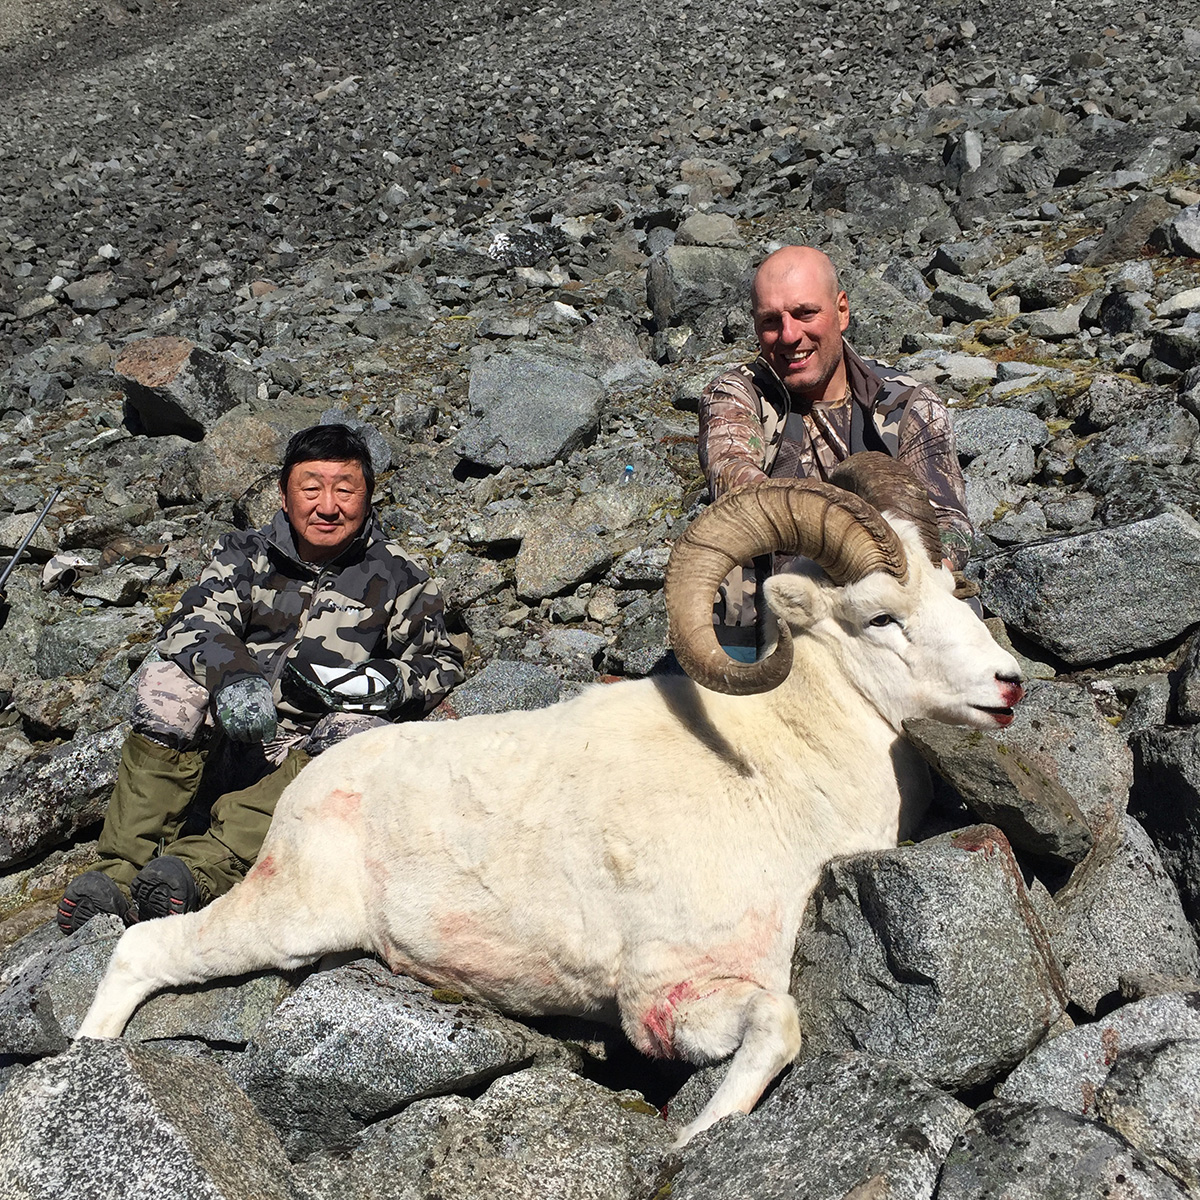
800,267
800,314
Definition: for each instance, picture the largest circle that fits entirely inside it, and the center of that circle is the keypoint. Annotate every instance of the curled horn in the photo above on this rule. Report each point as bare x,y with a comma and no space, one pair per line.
838,530
889,485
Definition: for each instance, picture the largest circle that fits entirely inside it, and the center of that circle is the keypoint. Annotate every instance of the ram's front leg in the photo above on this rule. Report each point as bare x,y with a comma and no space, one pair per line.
706,1023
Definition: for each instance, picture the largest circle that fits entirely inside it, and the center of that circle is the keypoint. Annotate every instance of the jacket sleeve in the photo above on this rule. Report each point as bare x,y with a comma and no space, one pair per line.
204,635
732,442
927,445
417,640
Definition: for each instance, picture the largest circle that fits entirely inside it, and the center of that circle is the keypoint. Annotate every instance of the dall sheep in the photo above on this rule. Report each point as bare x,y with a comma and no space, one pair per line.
643,852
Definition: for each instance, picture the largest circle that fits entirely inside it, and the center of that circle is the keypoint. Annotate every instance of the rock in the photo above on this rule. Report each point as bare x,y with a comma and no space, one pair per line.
1113,398
1180,304
1025,1153
504,685
1160,435
965,371
1059,728
46,992
880,316
697,286
616,506
13,530
1166,799
1068,1071
156,1125
55,794
709,229
74,645
641,646
959,300
882,964
555,558
177,387
1150,1096
543,1133
1036,814
833,1123
529,407
1119,917
354,1043
1129,233
985,430
1179,233
1094,596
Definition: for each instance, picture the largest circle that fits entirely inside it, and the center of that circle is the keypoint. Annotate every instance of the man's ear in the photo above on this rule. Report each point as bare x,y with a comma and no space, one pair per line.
843,308
797,599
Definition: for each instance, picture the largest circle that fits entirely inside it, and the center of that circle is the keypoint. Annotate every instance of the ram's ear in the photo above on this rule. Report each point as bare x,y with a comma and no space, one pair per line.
797,599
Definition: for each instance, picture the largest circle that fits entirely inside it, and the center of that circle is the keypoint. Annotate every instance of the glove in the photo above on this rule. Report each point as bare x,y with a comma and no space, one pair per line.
374,687
247,710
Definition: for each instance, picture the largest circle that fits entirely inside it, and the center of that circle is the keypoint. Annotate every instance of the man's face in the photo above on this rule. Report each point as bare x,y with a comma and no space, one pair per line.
799,318
326,503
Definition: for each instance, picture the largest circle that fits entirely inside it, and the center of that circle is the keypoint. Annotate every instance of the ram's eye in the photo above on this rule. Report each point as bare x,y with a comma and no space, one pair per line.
882,619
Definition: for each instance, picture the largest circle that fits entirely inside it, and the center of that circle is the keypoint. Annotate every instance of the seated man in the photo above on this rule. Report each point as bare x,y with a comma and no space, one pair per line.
809,401
296,635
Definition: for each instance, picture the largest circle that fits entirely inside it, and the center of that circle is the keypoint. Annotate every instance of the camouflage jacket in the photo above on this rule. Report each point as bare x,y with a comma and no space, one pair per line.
257,607
744,414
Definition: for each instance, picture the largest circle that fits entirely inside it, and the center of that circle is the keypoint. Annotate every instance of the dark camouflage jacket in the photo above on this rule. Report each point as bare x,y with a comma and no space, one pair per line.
744,415
257,607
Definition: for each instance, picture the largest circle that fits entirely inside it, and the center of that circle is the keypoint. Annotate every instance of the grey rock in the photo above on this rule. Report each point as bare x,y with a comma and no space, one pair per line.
1178,348
55,794
642,644
616,506
1094,596
46,992
13,530
1114,398
1125,237
641,567
356,1042
1160,435
1125,312
984,430
1165,798
959,300
1179,233
883,960
465,578
1055,324
529,407
156,1125
709,229
178,387
555,558
696,286
880,316
1068,1071
377,447
1029,1154
1187,691
1152,1097
962,258
504,685
1119,917
74,645
1149,708
965,371
543,1133
834,1123
1036,814
1059,728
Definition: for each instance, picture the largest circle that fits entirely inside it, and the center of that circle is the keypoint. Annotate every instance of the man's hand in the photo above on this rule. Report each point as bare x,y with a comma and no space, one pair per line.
247,710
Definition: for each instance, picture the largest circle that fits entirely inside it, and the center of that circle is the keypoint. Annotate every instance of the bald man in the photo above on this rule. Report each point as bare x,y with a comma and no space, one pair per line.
808,401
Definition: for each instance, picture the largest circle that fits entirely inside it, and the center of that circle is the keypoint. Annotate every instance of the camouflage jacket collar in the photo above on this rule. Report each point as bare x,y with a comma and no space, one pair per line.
282,543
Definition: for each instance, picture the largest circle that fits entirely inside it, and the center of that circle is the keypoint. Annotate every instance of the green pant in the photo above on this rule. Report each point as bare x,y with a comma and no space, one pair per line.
155,785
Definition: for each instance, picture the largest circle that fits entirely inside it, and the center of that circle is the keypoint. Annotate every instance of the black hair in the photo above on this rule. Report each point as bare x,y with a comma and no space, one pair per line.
327,443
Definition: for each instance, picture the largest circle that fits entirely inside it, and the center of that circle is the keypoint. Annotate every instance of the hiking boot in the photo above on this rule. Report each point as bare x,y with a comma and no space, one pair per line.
89,895
163,887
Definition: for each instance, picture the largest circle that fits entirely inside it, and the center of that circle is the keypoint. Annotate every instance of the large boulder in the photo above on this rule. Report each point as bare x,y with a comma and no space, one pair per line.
529,407
177,387
1068,1071
833,1125
542,1132
1094,596
1024,1153
890,959
109,1119
354,1043
697,286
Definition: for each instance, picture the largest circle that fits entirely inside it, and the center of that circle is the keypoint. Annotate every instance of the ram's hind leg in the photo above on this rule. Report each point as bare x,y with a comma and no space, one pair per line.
759,1028
263,923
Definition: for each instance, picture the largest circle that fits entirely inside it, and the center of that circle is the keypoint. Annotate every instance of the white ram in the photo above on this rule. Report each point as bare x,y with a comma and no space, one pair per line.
643,852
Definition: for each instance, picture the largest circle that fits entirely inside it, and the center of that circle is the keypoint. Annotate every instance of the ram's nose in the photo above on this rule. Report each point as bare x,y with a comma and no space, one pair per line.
1011,691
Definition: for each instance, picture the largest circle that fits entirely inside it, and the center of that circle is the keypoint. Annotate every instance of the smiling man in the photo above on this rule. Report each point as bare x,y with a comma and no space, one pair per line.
808,401
295,636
